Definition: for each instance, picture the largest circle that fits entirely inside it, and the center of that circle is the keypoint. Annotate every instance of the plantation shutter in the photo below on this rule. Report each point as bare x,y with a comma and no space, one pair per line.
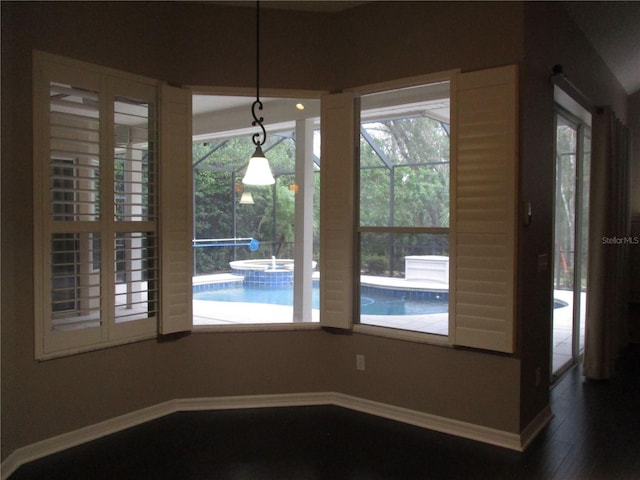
485,210
337,210
175,210
95,221
132,203
68,155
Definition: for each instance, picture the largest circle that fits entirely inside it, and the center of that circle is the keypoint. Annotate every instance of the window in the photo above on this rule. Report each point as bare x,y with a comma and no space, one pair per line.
373,243
404,170
97,247
256,248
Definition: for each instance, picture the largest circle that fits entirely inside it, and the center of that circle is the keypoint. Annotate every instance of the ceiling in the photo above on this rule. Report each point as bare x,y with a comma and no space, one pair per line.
613,28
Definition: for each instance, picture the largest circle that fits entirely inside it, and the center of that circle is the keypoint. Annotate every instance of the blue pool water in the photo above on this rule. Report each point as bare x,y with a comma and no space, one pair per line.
370,303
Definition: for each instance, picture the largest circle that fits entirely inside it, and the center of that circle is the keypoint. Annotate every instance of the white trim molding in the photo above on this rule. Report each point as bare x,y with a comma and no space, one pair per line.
431,422
49,446
531,431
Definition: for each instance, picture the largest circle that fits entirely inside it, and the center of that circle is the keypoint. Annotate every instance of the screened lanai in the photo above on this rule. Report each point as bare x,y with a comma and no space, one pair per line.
404,166
227,227
403,181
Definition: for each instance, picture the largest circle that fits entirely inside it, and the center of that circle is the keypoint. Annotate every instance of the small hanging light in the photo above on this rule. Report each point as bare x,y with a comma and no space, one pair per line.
246,199
258,171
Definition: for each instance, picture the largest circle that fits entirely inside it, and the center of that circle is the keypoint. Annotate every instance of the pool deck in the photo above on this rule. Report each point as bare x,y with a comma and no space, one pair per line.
403,284
216,278
207,312
236,313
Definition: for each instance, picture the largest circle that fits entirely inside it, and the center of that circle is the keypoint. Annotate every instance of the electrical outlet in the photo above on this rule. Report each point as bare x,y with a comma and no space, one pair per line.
360,362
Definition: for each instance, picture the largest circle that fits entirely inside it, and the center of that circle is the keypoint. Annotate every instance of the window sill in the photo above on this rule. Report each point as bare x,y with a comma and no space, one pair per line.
257,327
94,347
407,335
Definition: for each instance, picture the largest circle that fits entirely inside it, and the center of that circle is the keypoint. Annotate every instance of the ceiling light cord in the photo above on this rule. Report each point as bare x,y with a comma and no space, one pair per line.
257,121
258,170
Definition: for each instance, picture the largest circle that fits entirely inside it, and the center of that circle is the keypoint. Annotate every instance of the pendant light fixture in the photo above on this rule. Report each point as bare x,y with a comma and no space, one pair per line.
246,199
258,171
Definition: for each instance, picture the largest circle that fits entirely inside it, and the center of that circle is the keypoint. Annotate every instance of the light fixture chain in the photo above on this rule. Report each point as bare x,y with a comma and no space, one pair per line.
258,121
258,170
257,50
258,104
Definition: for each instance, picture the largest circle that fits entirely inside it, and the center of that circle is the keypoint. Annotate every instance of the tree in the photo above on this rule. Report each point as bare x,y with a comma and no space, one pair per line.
404,181
218,170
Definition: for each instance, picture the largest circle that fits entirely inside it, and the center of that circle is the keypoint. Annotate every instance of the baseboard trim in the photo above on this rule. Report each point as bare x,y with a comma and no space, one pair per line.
74,438
539,422
432,422
449,426
255,401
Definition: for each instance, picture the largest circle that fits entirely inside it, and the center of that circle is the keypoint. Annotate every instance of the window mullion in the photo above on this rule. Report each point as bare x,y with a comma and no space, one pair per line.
436,230
303,255
107,191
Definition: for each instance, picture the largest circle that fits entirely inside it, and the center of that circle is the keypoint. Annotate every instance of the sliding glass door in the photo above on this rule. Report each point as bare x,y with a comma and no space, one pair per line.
571,225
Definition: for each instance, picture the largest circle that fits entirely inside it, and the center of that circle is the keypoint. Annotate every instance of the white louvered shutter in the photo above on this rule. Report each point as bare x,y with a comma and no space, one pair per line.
132,186
337,211
95,225
486,210
176,210
69,157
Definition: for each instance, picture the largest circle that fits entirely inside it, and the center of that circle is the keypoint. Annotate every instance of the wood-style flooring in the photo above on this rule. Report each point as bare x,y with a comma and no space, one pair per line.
595,434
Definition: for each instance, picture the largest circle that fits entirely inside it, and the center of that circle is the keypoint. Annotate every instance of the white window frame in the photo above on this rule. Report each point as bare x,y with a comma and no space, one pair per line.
302,315
340,278
388,87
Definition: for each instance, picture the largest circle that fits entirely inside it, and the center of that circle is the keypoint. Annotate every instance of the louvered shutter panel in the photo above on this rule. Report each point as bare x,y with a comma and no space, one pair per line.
485,210
337,211
67,181
133,236
175,210
95,225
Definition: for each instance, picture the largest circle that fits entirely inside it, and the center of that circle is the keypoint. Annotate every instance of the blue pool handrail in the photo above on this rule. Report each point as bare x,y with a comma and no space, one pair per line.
252,243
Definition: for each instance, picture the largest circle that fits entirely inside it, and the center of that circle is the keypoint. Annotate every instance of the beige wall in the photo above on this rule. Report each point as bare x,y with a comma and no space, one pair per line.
388,40
203,44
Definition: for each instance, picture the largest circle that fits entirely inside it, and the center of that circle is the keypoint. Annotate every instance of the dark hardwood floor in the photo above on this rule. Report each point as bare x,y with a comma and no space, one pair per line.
595,434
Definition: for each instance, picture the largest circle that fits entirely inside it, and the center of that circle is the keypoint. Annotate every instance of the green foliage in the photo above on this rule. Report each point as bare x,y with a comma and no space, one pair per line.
404,181
412,189
410,185
374,264
218,171
384,253
566,205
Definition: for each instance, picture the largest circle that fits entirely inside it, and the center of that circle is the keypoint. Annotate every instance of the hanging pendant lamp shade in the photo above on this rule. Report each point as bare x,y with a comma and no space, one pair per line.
258,171
246,199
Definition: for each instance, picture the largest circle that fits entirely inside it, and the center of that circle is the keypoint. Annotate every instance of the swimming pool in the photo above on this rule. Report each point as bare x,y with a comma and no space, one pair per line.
371,303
